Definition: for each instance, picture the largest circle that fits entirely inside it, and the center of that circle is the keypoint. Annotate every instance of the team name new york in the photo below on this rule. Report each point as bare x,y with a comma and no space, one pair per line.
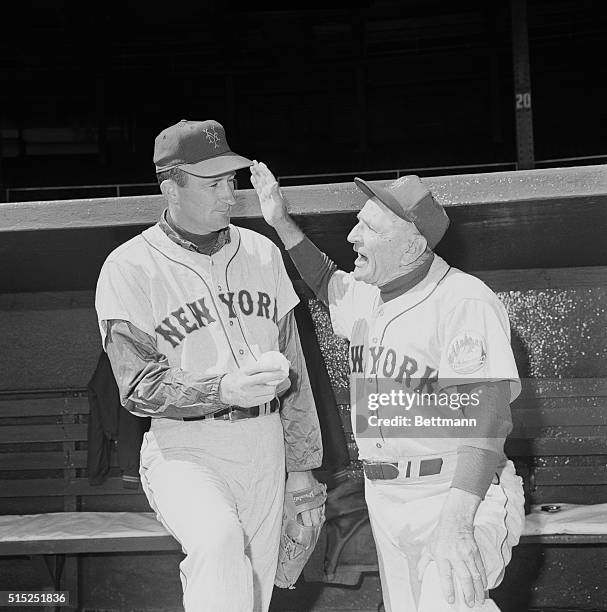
195,315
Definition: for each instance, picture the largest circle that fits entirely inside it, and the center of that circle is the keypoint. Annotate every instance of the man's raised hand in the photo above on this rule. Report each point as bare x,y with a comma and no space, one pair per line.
273,206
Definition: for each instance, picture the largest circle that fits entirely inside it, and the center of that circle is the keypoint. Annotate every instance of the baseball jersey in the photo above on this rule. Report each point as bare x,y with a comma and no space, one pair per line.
208,314
449,329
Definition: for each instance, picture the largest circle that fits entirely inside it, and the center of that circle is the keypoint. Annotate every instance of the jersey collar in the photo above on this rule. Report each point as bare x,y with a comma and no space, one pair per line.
404,283
157,237
207,244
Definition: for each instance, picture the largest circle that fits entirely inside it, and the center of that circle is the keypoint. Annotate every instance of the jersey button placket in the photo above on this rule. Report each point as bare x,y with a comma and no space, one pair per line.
373,341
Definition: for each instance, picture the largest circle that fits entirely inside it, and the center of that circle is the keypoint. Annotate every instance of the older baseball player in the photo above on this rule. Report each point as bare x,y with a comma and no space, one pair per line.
189,312
445,504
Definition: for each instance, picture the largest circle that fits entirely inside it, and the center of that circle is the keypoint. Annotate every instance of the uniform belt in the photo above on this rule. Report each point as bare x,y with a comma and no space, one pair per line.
236,413
375,470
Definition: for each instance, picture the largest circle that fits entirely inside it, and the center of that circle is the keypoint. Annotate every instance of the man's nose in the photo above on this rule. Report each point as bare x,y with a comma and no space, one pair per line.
227,194
353,235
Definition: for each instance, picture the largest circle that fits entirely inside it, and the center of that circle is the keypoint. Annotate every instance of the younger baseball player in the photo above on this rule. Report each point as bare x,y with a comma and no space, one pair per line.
187,311
445,504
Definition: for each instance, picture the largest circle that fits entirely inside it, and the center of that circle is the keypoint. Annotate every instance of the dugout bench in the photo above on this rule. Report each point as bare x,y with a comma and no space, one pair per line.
44,487
538,237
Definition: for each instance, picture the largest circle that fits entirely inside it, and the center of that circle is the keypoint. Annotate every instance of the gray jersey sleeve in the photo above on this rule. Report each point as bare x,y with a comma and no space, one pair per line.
303,444
314,266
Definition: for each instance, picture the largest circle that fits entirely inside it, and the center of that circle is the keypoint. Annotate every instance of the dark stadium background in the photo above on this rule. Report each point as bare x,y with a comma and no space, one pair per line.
309,87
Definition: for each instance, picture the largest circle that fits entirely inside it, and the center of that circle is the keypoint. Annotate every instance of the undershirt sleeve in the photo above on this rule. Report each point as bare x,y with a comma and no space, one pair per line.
478,458
314,267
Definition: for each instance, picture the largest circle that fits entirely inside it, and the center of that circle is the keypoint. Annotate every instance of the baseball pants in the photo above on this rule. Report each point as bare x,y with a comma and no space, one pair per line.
224,506
403,517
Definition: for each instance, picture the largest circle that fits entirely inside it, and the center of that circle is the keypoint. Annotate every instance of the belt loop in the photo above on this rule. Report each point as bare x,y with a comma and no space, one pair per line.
414,471
404,468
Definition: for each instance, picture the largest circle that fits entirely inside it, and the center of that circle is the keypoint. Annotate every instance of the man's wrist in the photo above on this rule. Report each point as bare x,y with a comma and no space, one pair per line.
220,392
288,231
460,508
300,480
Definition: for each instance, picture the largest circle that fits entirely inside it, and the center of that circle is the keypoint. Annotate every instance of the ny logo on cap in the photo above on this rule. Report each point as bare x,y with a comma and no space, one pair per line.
212,136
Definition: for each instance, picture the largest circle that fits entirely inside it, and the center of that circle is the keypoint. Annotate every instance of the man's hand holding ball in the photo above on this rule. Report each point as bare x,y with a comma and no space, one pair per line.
256,383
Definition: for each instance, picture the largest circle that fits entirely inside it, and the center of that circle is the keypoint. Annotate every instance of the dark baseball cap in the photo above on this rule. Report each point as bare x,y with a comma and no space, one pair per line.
200,147
410,199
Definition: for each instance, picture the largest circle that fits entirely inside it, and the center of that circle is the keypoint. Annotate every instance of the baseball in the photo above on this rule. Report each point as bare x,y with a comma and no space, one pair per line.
273,360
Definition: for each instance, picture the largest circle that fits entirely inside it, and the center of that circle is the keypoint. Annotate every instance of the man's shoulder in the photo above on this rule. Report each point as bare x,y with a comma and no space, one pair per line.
459,285
129,252
256,243
342,282
253,237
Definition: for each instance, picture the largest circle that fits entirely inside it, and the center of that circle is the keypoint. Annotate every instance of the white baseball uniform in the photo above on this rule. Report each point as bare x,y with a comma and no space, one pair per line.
217,485
448,329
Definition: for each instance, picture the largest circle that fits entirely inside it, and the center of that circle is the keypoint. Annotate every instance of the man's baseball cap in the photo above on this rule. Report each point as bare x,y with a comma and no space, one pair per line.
410,199
199,147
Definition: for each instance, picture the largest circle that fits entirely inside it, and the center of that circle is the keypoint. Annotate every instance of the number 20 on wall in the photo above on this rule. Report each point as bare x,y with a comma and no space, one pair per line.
523,101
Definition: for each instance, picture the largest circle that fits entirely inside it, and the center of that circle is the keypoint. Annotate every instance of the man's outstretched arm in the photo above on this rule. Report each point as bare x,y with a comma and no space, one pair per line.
314,266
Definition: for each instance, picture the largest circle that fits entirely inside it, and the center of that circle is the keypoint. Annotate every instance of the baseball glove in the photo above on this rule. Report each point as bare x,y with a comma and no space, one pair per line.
297,541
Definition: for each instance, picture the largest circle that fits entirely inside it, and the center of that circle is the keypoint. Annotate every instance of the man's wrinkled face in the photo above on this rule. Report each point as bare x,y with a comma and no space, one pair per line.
203,205
383,242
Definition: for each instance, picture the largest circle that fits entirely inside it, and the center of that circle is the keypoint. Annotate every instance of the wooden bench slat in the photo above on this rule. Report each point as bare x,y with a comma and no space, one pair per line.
34,461
92,545
566,538
566,475
559,417
43,407
41,487
521,430
575,387
572,404
43,433
527,447
47,460
168,543
573,494
544,278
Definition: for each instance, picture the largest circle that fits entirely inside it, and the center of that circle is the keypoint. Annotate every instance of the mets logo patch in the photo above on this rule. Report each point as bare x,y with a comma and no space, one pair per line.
212,136
467,352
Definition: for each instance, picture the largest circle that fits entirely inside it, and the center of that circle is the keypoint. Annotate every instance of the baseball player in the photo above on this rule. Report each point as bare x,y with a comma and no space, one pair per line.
445,504
192,313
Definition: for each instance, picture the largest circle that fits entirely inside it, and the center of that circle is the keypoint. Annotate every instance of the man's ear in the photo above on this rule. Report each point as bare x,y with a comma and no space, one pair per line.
169,190
417,246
